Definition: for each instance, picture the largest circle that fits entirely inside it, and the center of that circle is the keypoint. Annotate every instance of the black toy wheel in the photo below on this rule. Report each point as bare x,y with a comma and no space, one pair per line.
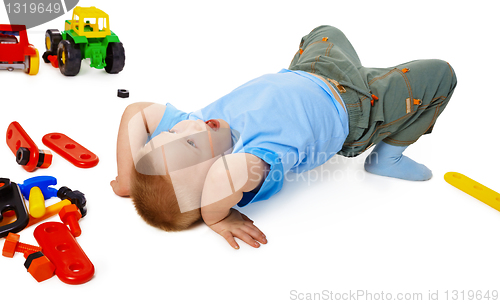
52,39
115,57
69,57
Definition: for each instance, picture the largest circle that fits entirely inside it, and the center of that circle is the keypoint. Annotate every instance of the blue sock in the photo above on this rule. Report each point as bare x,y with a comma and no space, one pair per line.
388,160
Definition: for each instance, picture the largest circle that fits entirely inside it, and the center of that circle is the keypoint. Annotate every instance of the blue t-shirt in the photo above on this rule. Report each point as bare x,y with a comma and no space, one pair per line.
290,119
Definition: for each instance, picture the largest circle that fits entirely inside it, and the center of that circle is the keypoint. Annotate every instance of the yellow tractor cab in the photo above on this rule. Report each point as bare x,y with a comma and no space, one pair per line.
90,22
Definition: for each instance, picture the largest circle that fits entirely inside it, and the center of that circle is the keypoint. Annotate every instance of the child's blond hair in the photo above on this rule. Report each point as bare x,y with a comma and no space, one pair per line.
155,201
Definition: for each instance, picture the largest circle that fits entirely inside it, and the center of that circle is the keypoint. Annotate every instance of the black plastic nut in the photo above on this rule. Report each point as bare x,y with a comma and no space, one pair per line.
32,257
41,158
23,156
123,93
76,197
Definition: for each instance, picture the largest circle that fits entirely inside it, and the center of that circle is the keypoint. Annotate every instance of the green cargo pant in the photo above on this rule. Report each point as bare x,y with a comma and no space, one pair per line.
397,104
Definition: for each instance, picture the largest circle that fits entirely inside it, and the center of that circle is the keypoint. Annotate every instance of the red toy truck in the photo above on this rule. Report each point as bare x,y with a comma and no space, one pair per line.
15,50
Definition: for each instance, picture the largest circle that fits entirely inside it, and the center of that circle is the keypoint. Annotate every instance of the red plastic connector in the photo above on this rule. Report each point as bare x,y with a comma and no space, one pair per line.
72,264
70,215
53,61
70,150
12,245
24,148
37,264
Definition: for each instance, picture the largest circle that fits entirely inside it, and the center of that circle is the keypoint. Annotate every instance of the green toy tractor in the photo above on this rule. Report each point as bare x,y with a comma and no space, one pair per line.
86,35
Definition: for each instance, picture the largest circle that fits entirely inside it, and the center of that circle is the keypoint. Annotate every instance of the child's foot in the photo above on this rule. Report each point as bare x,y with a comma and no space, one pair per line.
388,160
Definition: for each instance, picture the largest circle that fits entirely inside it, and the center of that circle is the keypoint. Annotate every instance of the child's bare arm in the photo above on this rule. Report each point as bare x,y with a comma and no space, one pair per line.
126,143
226,181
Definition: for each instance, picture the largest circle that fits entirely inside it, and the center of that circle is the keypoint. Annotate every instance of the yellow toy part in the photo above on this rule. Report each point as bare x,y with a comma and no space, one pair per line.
90,22
36,203
49,212
473,188
48,43
34,64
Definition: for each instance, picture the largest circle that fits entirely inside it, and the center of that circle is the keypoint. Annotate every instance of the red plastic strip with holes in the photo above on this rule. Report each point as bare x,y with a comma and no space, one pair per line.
17,138
61,248
70,150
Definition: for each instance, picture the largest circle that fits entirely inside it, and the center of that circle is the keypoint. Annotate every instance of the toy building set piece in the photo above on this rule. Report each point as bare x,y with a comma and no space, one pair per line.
43,182
50,211
12,245
67,196
473,188
37,264
30,157
86,35
12,200
59,253
15,50
37,190
24,148
122,93
36,203
75,197
70,215
70,150
61,248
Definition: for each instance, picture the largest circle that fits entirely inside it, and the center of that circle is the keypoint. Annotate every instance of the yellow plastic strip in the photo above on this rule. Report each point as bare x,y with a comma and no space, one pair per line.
473,188
49,212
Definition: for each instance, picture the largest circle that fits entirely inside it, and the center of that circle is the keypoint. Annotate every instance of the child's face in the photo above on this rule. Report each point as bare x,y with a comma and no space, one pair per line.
212,136
190,143
186,152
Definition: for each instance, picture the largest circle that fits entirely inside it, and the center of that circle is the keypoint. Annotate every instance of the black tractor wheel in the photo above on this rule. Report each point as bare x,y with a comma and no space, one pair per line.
115,57
52,39
69,57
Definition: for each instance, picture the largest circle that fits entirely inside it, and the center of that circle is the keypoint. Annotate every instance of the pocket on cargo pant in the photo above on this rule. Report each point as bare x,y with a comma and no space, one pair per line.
395,105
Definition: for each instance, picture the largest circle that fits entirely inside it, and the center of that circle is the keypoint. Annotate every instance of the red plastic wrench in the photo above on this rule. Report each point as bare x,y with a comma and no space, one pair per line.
61,248
27,153
70,150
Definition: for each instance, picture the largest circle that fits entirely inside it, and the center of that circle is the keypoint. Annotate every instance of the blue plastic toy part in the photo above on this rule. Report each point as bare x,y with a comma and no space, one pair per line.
11,199
42,182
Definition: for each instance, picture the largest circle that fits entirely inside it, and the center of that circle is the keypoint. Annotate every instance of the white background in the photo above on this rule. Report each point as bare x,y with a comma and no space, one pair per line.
345,232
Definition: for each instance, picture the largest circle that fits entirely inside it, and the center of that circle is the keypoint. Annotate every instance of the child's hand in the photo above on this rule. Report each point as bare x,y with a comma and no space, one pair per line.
119,189
239,225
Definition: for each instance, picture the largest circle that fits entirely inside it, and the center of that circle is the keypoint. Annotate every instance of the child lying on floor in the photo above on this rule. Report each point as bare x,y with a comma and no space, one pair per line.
182,167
